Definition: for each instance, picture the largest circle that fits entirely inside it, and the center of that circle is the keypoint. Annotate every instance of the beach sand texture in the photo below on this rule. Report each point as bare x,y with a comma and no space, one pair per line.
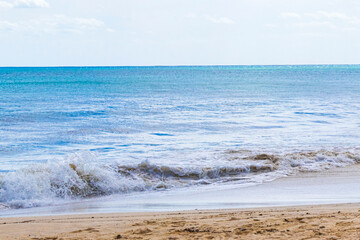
338,221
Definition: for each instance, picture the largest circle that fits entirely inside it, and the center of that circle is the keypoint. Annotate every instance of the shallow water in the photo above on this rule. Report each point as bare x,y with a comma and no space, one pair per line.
74,133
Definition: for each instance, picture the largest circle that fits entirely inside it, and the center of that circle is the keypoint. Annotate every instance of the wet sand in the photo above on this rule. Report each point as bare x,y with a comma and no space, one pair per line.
338,221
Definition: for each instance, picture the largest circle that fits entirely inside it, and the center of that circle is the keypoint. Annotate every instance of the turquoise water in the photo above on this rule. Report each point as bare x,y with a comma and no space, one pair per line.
79,132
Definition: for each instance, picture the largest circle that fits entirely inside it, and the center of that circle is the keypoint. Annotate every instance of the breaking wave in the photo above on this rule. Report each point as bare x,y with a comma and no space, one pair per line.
82,175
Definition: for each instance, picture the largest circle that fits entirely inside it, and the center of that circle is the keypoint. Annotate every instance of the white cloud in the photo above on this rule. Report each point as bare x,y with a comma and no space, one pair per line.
326,24
323,19
110,30
223,20
217,20
290,15
8,26
335,16
269,25
323,14
31,3
4,4
191,15
24,4
84,23
54,24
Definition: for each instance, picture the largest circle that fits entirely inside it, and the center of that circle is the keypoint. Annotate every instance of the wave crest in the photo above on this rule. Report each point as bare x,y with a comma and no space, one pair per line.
81,175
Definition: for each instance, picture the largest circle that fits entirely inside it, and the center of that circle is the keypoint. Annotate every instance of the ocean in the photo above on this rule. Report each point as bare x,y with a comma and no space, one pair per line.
75,133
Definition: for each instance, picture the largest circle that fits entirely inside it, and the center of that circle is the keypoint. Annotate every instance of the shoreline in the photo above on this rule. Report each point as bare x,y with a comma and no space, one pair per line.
333,186
307,214
332,221
307,218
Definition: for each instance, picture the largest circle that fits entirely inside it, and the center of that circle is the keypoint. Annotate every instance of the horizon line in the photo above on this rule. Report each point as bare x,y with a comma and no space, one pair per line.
184,65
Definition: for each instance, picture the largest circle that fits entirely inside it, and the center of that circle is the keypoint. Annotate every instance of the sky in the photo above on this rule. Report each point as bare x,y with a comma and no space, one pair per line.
178,32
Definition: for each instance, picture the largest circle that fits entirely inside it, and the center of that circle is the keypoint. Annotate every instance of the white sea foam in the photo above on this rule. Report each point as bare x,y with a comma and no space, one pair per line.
83,175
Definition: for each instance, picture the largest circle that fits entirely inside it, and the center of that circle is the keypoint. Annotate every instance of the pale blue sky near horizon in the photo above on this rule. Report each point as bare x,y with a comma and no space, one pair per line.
178,32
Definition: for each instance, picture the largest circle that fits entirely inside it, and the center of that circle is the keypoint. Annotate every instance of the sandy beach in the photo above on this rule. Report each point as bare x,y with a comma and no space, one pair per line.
337,221
297,207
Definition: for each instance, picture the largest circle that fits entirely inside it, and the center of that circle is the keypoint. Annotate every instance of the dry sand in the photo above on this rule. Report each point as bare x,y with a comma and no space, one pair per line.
339,221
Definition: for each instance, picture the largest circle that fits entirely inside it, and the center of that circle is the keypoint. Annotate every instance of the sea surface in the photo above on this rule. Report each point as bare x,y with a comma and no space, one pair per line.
73,133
